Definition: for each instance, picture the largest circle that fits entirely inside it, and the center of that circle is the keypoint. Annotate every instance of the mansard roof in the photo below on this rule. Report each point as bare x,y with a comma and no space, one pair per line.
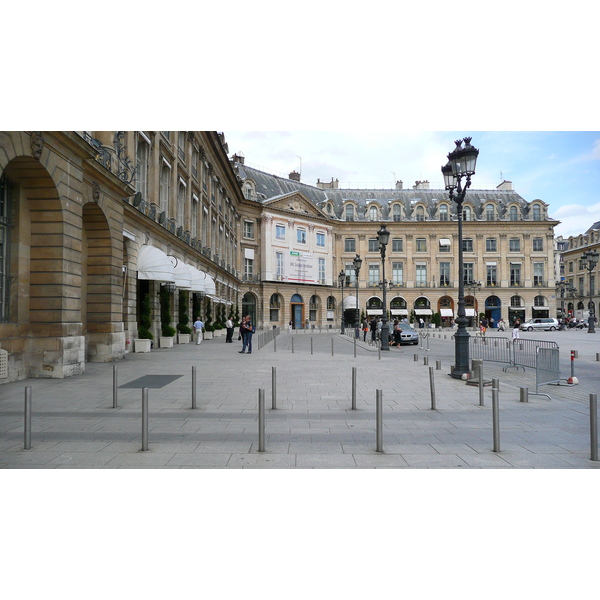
271,186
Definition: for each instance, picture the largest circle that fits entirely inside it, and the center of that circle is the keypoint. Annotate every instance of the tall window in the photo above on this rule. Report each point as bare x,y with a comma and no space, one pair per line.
490,213
5,227
491,275
165,180
444,274
249,229
279,232
350,273
514,245
320,240
538,274
274,306
349,245
397,273
181,146
467,245
205,226
421,275
420,213
181,204
194,215
397,213
141,178
349,212
421,245
538,244
248,268
374,275
491,245
537,213
466,213
373,213
373,245
443,212
513,213
301,236
195,163
397,245
515,274
468,273
321,270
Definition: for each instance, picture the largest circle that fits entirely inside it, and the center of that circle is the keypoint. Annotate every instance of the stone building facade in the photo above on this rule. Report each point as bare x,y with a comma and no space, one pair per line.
508,248
79,214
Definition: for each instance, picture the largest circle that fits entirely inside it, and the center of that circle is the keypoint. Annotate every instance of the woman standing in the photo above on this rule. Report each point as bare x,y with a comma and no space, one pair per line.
515,331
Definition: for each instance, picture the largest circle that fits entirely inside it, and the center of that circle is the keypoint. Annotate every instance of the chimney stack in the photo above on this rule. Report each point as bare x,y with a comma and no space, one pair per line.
294,176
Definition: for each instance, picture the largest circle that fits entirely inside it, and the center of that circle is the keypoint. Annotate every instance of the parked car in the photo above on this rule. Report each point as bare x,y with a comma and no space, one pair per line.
408,335
540,325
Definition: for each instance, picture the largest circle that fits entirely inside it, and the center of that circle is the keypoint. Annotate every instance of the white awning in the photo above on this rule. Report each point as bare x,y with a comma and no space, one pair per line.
423,311
399,311
375,311
349,302
444,242
201,281
469,312
155,265
446,312
183,274
209,284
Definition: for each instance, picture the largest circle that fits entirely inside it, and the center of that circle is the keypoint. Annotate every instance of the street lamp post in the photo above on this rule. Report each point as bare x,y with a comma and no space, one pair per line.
383,235
342,279
472,288
589,262
357,262
561,285
461,163
572,293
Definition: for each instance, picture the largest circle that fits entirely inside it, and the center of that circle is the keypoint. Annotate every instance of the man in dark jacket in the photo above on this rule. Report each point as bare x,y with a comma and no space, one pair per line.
247,329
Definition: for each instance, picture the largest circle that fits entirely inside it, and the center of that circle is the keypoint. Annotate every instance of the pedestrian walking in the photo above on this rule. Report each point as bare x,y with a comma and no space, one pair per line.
198,327
229,327
515,331
373,326
290,325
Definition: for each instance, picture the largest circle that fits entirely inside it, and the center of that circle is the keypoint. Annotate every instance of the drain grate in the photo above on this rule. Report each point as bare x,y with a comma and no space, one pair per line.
151,381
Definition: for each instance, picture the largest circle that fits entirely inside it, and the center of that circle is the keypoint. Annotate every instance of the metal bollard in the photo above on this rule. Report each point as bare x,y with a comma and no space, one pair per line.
261,420
275,343
416,357
480,375
432,388
426,360
496,414
379,351
379,402
144,419
428,343
597,357
353,388
438,365
524,394
594,425
332,354
573,355
27,440
193,387
355,347
115,379
273,388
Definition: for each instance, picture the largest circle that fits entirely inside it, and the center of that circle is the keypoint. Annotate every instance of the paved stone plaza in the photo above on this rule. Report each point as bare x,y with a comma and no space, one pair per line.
74,424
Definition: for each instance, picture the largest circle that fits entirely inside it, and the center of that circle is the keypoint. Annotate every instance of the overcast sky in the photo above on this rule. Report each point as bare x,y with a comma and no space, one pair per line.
561,168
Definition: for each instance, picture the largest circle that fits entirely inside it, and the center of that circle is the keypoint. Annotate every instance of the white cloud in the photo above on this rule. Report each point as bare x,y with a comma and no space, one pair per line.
575,219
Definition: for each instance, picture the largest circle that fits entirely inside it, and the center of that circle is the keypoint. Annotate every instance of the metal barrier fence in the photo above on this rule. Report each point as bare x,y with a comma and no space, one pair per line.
547,368
515,353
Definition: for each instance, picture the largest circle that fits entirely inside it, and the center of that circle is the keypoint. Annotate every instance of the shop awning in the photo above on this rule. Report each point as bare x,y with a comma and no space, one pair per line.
349,302
155,265
469,312
375,311
423,311
202,282
183,274
446,312
399,311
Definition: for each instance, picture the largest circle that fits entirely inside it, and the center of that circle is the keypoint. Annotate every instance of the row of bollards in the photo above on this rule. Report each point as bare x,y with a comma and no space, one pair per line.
379,409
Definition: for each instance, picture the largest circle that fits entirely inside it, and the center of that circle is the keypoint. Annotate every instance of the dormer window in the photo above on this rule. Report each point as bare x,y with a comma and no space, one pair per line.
443,212
373,213
349,212
537,213
420,213
396,213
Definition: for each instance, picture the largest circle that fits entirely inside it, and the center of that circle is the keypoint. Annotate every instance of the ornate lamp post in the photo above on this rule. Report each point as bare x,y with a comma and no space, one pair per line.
461,163
357,262
383,236
572,293
342,279
472,288
560,287
589,262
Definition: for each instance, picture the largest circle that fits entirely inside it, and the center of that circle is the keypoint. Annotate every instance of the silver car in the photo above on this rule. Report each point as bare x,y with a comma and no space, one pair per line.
408,334
540,325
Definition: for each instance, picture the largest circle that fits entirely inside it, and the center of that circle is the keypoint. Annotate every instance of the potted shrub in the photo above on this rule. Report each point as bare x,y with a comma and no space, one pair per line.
208,324
143,343
167,332
208,332
182,326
